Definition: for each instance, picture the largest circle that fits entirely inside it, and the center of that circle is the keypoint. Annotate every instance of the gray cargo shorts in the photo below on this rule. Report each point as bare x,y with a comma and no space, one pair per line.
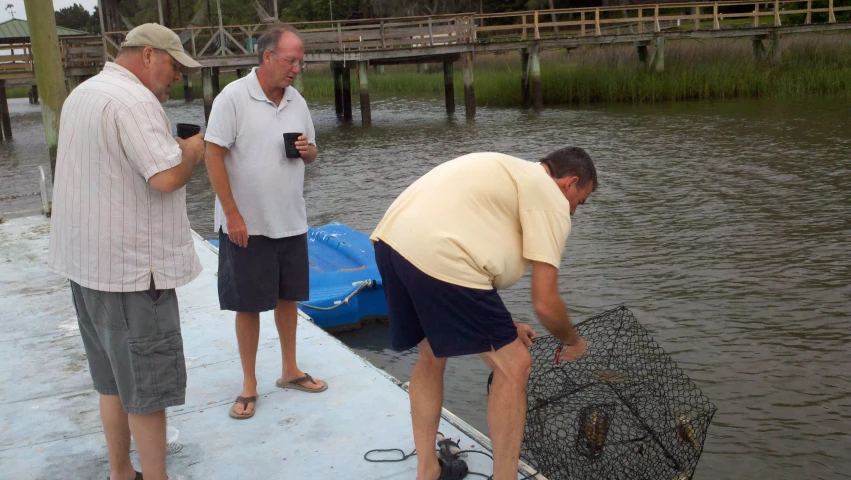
134,346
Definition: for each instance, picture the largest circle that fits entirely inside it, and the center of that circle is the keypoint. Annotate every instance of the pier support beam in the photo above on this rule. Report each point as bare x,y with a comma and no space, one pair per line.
73,82
188,92
449,86
217,87
347,93
5,119
524,78
469,89
337,70
642,56
240,72
363,86
776,56
535,76
207,87
758,49
658,63
49,74
34,94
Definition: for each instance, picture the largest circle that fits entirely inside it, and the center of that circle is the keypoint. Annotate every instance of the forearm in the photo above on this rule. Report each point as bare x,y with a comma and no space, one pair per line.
311,154
175,177
555,318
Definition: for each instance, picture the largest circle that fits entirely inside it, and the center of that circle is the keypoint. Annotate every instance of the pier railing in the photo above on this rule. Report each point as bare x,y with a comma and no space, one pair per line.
433,32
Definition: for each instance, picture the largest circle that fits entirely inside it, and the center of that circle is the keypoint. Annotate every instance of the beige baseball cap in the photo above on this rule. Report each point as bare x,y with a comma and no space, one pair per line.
162,38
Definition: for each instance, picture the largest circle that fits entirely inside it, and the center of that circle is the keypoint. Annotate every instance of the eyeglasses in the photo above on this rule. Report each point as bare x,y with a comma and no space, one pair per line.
292,61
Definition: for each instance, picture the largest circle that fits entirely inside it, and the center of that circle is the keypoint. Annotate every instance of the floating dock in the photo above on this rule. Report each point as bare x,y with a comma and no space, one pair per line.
50,425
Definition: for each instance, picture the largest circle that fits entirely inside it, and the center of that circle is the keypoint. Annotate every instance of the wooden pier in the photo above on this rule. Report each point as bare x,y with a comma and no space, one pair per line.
449,39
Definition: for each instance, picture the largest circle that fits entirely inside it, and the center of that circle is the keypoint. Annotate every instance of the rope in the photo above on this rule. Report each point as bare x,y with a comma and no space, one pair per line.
12,197
361,286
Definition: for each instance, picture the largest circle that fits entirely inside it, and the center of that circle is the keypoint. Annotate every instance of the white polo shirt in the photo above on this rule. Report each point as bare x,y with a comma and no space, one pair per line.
268,187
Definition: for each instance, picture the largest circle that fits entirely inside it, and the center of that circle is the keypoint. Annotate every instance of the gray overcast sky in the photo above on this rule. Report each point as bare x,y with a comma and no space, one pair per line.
21,11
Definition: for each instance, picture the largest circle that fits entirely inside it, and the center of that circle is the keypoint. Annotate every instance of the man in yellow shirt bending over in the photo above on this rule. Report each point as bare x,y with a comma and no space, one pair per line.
466,229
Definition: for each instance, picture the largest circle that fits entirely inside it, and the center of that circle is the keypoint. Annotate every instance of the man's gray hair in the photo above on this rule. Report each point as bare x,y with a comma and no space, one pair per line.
270,38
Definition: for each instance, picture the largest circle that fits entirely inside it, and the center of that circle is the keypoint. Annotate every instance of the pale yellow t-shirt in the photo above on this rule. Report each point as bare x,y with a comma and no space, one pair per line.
479,220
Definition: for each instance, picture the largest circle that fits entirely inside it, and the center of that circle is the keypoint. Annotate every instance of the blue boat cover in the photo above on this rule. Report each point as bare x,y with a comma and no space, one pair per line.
345,286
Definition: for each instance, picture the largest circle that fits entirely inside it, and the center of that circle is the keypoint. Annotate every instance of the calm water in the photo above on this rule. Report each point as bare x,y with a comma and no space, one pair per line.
724,227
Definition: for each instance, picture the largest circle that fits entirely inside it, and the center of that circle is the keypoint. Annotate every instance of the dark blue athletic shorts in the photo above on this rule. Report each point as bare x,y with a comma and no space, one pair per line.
252,279
456,320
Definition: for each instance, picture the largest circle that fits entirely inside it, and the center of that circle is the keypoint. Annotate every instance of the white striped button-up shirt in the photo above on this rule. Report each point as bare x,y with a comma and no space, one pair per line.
110,230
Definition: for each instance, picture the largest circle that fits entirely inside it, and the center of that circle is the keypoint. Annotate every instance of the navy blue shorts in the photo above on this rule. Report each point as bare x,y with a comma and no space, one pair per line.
456,320
254,278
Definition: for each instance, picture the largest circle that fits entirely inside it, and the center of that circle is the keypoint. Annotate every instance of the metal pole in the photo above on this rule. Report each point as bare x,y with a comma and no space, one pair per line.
49,73
160,10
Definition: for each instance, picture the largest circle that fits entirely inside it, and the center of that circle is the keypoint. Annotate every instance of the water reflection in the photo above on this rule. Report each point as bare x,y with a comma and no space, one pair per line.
723,226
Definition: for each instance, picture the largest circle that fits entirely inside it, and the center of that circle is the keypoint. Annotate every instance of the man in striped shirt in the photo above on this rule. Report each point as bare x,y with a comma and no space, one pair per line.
120,233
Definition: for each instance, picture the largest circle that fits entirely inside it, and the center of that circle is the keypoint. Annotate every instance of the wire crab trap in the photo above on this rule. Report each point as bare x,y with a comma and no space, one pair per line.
624,411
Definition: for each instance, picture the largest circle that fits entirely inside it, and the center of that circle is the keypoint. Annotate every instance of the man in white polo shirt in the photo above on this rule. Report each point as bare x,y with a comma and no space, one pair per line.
120,233
260,213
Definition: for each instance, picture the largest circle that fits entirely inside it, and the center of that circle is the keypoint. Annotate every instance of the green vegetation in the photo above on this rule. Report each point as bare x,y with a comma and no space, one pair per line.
812,65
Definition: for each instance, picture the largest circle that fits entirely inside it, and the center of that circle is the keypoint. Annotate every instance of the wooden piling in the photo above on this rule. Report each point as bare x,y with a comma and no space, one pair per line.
524,77
188,91
658,64
363,86
642,56
337,70
535,76
449,86
776,55
240,72
217,86
34,94
758,49
298,83
49,74
5,119
207,87
347,93
469,89
73,82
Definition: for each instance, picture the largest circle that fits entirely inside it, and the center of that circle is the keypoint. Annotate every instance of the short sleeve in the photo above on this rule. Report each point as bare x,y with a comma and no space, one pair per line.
221,127
145,135
544,235
311,132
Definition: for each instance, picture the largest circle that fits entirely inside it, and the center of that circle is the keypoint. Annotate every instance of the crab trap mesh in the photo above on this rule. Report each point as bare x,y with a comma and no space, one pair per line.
624,411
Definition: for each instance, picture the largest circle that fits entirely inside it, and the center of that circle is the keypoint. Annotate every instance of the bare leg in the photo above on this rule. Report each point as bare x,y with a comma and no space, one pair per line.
511,366
286,320
247,337
426,392
149,433
117,433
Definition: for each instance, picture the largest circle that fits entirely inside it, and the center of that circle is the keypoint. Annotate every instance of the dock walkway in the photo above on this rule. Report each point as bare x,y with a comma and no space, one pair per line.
50,426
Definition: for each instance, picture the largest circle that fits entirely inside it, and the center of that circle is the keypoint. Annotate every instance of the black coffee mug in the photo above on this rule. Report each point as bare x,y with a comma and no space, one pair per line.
289,145
186,130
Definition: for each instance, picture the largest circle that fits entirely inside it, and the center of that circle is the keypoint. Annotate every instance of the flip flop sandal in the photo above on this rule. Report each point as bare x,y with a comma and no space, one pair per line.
244,401
297,384
138,476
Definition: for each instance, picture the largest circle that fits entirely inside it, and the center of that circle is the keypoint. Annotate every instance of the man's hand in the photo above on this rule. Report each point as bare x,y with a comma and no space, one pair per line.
571,353
193,147
307,151
237,233
526,334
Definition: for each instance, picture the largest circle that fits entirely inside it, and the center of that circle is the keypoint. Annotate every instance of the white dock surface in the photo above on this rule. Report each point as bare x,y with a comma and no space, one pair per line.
50,425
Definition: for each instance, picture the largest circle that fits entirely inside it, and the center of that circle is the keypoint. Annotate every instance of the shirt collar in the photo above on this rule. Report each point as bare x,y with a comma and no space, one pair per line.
257,93
113,68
